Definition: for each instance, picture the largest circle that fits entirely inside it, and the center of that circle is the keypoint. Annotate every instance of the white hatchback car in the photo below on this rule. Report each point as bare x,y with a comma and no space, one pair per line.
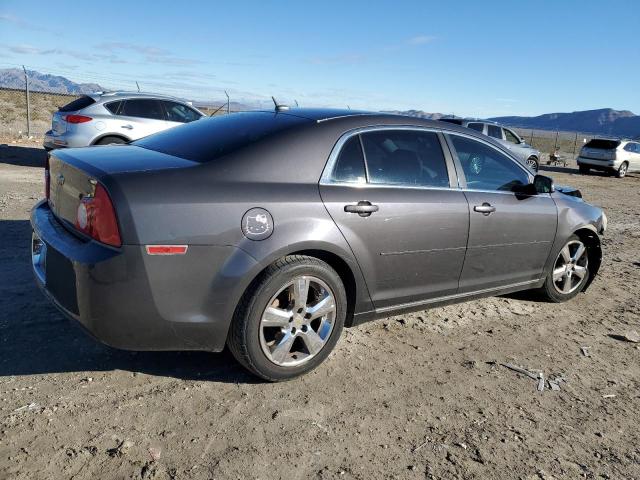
116,117
615,156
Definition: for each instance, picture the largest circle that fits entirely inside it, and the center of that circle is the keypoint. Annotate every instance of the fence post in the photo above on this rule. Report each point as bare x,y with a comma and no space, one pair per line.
26,92
575,143
555,146
531,141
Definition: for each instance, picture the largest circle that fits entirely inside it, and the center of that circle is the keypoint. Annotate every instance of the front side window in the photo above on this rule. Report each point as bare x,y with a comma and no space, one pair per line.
350,163
485,168
178,112
405,157
479,127
142,108
494,131
511,137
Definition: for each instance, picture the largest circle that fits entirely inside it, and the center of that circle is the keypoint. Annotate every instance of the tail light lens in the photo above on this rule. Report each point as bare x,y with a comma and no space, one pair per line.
77,118
47,178
97,218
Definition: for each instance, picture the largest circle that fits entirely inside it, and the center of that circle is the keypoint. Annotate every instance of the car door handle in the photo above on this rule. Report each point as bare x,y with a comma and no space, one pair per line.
128,127
485,209
362,208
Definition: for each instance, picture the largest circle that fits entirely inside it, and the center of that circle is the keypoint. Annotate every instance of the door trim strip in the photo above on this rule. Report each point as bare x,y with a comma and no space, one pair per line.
455,296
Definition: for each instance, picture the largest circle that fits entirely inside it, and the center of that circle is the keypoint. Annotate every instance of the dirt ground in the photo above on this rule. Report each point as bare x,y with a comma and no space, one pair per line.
414,396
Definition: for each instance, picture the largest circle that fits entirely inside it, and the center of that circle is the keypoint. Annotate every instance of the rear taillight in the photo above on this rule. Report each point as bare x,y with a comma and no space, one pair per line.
97,218
47,178
77,118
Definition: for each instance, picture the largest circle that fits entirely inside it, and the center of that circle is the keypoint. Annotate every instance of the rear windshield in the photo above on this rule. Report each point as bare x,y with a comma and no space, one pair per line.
210,138
602,144
77,104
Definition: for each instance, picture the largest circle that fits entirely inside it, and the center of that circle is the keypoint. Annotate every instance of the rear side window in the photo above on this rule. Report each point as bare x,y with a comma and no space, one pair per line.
212,138
494,131
350,163
113,107
178,112
405,157
142,108
77,104
602,144
476,126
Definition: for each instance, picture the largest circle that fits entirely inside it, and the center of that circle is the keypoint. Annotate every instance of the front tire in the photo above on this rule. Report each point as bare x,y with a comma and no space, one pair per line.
290,319
583,169
569,273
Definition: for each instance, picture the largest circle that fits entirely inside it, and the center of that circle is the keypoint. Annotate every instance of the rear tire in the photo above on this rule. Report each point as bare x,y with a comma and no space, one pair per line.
278,336
622,170
583,169
111,141
569,273
533,164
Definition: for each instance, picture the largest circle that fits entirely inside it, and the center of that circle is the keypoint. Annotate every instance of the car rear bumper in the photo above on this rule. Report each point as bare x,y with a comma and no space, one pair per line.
131,300
598,164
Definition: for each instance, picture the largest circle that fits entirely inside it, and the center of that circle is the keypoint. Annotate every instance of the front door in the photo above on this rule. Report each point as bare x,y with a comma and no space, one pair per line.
406,225
510,234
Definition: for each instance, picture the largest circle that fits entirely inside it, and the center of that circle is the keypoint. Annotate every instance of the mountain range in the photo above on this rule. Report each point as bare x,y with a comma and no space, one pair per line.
43,82
604,121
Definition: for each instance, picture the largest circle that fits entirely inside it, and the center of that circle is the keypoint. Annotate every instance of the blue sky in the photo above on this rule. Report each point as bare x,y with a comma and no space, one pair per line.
477,58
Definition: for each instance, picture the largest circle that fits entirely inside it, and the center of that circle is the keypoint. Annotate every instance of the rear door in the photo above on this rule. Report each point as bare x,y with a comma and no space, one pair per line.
400,211
510,234
140,117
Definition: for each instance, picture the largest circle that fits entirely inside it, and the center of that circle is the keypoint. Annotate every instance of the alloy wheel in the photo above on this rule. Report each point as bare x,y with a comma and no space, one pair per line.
532,164
622,171
570,268
298,321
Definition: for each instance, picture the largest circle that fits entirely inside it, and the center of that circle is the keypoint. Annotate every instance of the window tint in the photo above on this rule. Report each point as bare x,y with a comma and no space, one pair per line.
485,168
405,157
178,112
113,107
510,136
212,138
494,131
142,108
476,126
77,104
350,164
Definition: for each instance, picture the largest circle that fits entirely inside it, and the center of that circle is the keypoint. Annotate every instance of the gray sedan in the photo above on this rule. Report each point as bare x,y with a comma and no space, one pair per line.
271,231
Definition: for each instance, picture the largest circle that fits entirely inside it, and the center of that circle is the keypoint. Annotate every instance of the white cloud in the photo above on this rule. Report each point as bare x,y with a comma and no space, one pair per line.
421,39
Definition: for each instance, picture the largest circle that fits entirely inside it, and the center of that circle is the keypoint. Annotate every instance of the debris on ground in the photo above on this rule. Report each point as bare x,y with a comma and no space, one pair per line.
521,370
585,351
121,449
28,408
630,336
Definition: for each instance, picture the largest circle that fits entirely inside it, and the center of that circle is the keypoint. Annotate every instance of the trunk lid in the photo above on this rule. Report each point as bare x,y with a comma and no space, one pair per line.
58,123
74,172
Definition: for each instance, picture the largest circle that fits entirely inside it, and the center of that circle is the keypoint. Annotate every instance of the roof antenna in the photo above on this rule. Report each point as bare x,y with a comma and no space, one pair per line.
348,107
296,103
279,107
137,85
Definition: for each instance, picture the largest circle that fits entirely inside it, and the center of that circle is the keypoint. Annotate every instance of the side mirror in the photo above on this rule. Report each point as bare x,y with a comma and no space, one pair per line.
543,184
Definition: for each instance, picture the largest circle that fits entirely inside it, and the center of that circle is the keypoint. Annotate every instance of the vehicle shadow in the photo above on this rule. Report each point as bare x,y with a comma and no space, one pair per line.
558,169
23,156
36,339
